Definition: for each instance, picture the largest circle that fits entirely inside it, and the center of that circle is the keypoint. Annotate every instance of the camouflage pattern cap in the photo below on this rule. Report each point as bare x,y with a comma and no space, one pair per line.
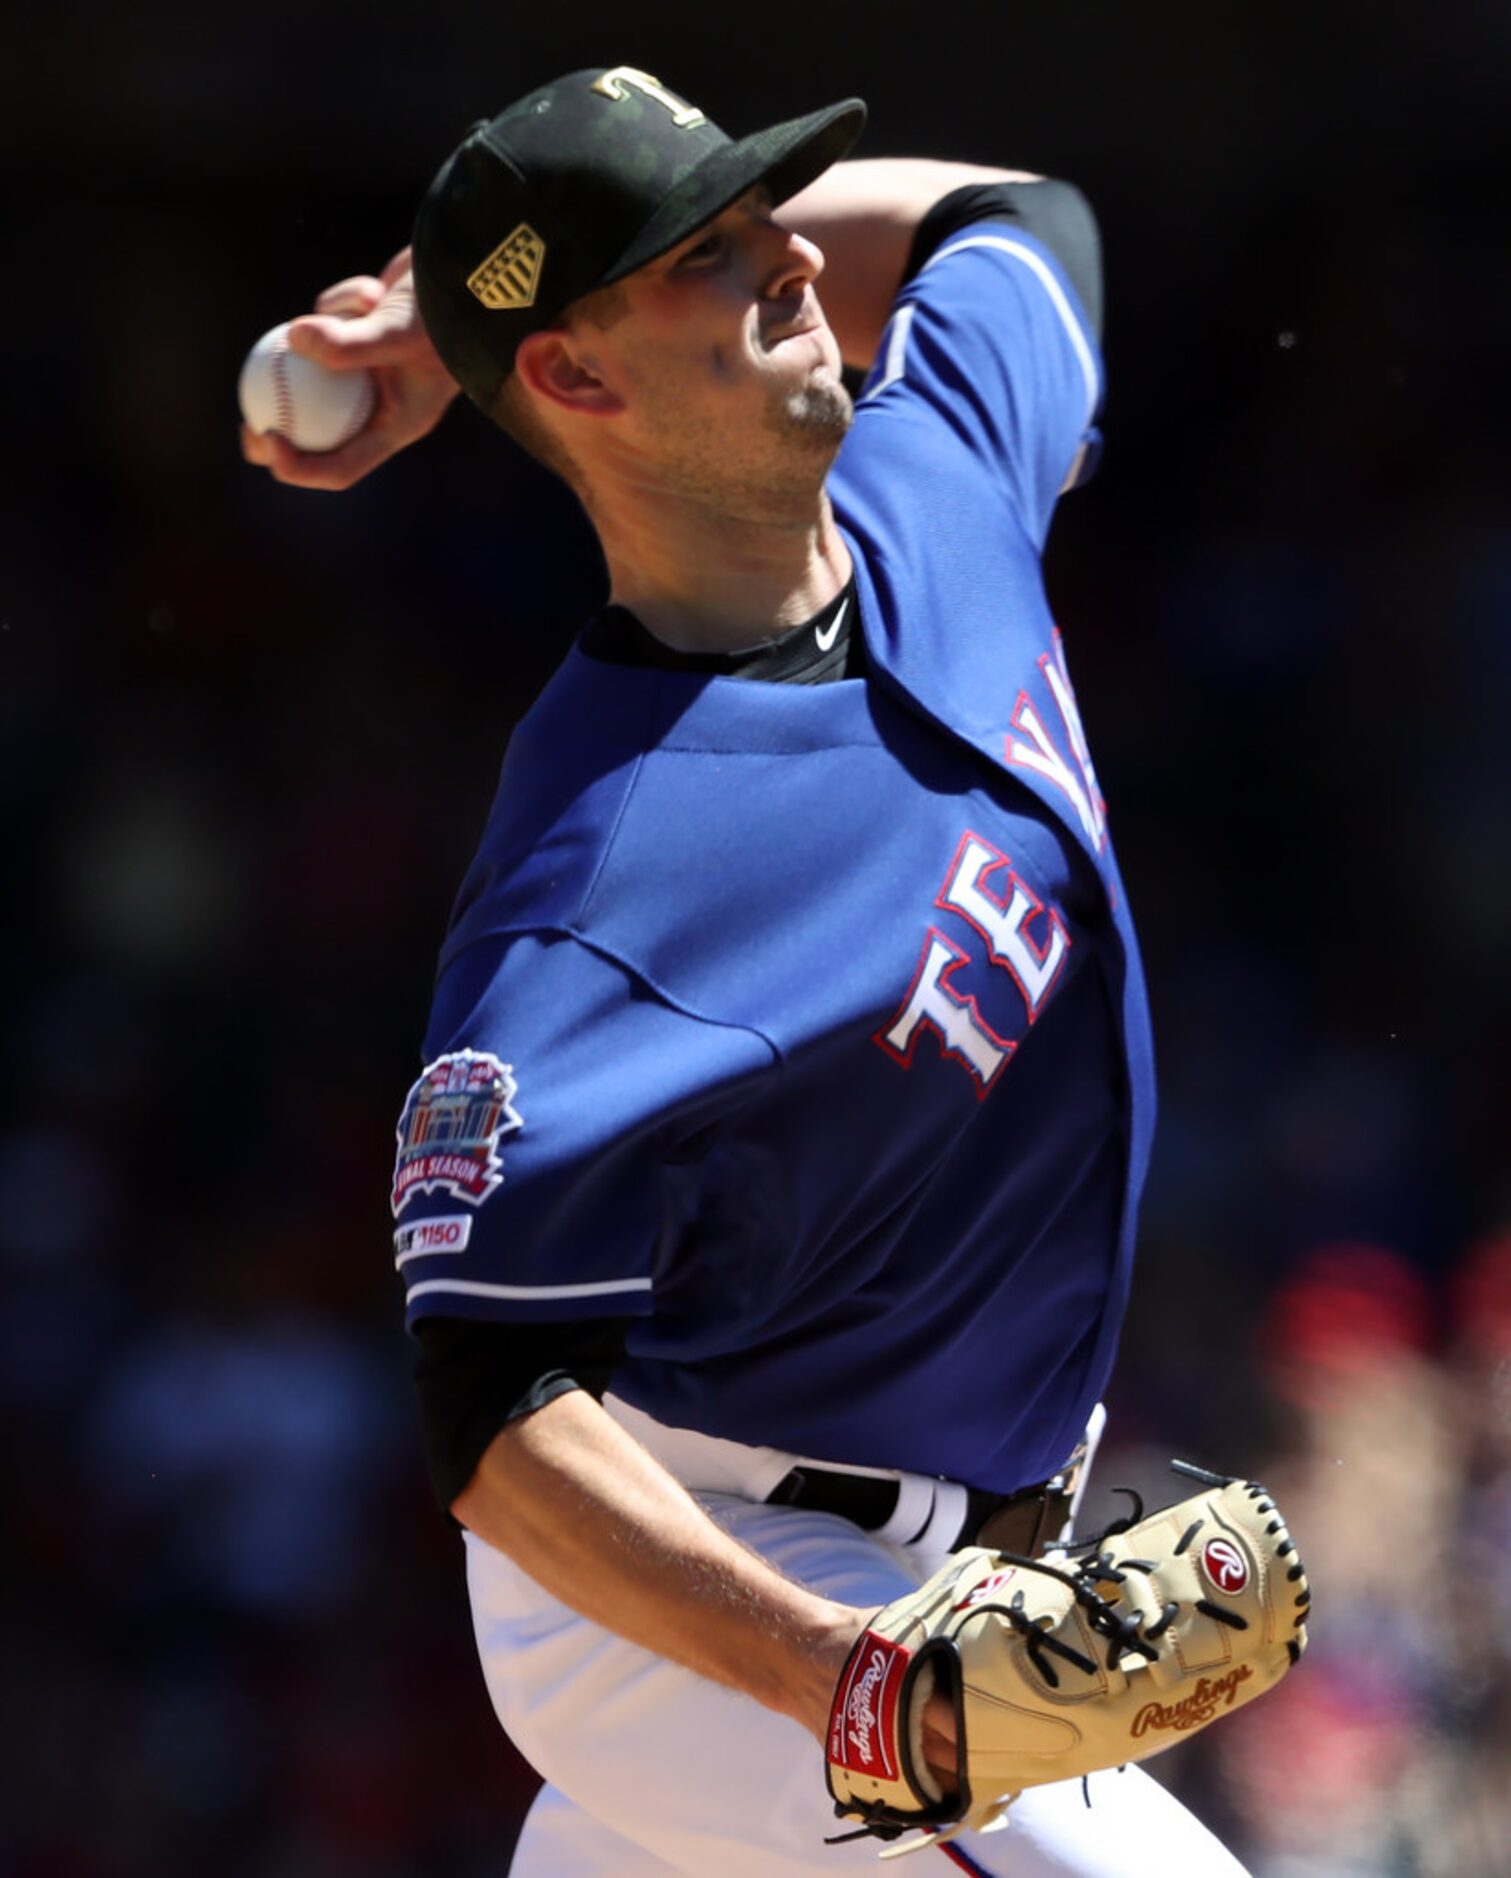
575,186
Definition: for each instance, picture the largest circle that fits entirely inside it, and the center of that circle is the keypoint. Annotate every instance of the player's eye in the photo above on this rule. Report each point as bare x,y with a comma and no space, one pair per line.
709,249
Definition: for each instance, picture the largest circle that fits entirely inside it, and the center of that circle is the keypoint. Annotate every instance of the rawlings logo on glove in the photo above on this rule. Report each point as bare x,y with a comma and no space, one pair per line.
1194,1710
863,1723
1060,1667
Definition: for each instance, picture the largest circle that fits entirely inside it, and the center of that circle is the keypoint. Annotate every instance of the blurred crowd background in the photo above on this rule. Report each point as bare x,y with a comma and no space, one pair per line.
248,737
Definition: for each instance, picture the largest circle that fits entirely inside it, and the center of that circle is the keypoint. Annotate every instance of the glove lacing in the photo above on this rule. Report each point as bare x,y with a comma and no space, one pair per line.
1124,1630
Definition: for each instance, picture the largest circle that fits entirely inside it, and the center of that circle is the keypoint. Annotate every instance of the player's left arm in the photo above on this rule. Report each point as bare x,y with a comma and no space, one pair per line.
866,217
364,323
989,363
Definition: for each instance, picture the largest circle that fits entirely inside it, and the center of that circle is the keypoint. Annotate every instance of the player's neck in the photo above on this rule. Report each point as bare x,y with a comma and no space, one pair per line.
702,581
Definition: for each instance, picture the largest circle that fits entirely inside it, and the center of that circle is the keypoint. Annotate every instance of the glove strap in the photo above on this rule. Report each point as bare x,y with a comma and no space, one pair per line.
873,1768
866,1719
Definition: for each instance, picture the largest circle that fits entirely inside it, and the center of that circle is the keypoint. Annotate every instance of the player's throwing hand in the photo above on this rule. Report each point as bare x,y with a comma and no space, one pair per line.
369,322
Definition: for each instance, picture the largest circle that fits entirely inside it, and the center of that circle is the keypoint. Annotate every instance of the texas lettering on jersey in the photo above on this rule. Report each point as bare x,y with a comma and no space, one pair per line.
1020,934
1032,745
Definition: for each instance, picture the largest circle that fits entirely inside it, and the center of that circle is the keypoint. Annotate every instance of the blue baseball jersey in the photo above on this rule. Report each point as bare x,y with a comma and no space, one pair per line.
803,1025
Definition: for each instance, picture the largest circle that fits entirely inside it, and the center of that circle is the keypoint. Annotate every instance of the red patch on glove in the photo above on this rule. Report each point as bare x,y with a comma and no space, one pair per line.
1225,1566
863,1722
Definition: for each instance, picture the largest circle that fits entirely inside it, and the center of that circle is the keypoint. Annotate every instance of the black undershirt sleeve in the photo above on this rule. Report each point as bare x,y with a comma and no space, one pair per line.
1053,212
472,1379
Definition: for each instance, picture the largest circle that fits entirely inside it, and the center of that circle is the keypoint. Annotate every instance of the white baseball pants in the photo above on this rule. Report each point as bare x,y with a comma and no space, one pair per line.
652,1770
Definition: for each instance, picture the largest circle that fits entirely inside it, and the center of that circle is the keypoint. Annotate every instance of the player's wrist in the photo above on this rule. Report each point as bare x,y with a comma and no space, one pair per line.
814,1666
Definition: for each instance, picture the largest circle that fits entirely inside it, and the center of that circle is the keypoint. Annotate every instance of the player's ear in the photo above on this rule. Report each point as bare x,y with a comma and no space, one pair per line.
548,364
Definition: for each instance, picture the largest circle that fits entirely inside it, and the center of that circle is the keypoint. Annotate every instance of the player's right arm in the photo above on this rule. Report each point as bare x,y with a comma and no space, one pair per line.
529,1186
580,1506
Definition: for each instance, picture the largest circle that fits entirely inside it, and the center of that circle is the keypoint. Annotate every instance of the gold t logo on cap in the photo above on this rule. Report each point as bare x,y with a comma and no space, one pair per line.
612,84
508,279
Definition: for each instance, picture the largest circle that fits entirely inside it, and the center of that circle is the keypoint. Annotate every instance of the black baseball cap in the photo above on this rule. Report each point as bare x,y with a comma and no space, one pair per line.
574,187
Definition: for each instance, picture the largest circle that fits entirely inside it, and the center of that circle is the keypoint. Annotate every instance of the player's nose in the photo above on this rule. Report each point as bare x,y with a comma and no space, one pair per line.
798,263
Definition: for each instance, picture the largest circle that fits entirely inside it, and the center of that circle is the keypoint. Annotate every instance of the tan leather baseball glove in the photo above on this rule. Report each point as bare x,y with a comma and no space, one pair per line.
1057,1667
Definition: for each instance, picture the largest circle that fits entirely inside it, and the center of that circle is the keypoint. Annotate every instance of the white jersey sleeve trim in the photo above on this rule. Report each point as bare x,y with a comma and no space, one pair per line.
897,350
1036,265
475,1288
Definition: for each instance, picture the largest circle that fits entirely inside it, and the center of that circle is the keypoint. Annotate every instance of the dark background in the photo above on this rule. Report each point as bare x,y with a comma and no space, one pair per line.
248,736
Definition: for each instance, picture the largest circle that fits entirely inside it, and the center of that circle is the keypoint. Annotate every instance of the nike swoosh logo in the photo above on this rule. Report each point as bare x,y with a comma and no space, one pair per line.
825,639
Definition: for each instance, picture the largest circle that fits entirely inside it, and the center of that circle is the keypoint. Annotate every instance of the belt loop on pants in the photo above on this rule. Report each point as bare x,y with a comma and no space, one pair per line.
906,1509
940,1514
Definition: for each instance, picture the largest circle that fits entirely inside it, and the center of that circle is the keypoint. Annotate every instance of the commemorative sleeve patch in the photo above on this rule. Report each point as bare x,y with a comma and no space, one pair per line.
453,1120
432,1238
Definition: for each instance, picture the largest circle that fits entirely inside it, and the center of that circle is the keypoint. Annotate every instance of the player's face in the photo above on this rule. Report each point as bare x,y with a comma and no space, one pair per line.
729,372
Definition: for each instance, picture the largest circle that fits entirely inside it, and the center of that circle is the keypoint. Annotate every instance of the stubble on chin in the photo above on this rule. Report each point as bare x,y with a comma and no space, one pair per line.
771,472
817,415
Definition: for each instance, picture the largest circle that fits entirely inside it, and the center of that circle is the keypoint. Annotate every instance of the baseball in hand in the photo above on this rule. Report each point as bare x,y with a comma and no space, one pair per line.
313,407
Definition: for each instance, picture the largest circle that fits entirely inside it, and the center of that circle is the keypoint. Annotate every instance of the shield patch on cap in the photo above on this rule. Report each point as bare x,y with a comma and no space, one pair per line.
510,276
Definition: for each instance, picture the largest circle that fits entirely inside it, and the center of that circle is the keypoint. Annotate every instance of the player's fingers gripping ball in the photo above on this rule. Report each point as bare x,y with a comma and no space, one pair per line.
1062,1666
312,406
